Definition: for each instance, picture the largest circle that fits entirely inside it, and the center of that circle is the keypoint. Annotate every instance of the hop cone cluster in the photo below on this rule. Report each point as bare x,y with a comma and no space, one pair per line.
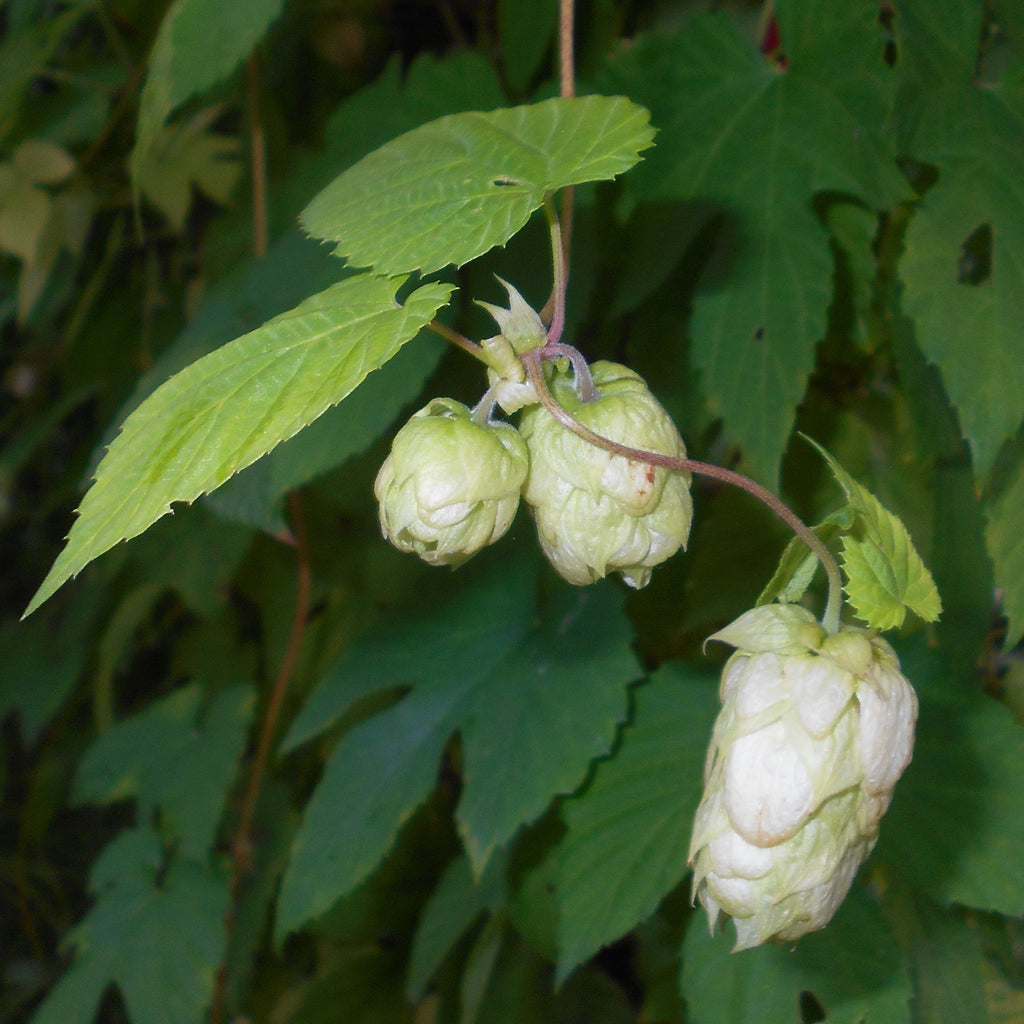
813,734
597,512
450,486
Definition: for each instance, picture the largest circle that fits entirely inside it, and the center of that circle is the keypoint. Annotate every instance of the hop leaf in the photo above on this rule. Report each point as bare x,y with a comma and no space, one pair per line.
885,574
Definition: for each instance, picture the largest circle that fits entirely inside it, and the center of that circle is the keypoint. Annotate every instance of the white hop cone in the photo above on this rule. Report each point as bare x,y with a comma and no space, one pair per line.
597,512
450,486
813,734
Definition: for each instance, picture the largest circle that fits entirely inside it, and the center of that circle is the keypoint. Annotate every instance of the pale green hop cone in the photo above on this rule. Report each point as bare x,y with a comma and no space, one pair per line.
450,486
813,734
598,513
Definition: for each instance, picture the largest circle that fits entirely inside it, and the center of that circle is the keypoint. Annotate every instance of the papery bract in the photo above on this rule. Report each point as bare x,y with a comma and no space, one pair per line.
598,512
813,734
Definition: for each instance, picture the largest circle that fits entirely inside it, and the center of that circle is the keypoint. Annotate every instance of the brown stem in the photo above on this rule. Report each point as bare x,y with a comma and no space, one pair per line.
241,843
533,362
257,142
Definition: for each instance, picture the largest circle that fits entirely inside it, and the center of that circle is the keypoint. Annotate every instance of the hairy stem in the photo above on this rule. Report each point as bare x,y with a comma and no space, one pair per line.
533,362
560,273
458,339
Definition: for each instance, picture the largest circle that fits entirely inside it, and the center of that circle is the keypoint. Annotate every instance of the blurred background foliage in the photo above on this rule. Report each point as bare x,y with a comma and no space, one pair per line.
827,236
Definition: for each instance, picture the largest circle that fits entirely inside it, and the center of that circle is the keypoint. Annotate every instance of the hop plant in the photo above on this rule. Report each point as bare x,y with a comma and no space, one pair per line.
598,512
450,486
813,734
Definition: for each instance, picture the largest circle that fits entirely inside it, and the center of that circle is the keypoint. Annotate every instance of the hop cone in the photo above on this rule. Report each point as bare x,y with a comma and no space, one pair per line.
813,734
597,512
450,486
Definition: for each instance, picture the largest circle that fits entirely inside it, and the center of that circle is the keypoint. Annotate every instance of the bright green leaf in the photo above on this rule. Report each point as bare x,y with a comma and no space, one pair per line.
532,700
1005,539
199,44
885,574
452,189
853,971
236,404
798,565
256,494
629,831
760,142
157,934
172,760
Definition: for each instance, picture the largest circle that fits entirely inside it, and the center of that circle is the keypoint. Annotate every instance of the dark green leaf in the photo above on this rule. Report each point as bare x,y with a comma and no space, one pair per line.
964,283
966,771
453,906
945,959
1005,538
527,30
157,934
452,189
236,404
629,831
532,700
174,760
852,970
760,142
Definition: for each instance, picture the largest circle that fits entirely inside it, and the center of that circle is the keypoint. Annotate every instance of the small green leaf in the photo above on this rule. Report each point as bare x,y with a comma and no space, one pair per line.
629,831
798,565
534,700
852,970
227,409
448,191
885,574
157,934
200,43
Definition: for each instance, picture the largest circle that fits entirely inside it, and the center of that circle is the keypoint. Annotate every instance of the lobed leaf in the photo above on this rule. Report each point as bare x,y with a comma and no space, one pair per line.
964,279
532,700
174,761
448,191
629,831
760,141
126,937
227,409
885,574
